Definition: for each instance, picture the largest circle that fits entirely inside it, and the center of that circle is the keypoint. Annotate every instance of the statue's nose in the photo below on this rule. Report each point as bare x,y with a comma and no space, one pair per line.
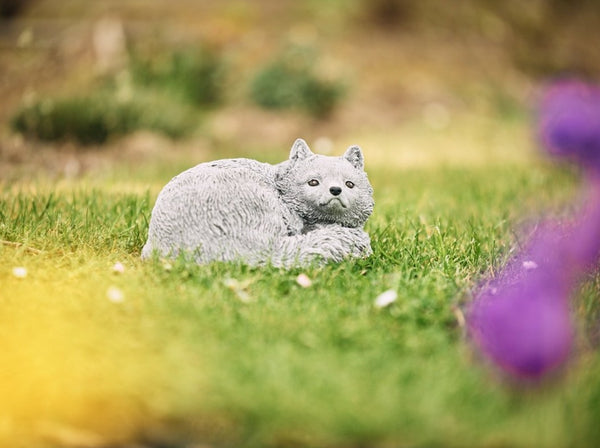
335,190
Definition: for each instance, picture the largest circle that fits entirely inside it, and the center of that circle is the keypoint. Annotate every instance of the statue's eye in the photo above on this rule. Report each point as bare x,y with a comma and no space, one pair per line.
313,182
349,184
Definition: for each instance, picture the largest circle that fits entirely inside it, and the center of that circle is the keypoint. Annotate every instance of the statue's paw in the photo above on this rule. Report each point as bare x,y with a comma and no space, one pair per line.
355,242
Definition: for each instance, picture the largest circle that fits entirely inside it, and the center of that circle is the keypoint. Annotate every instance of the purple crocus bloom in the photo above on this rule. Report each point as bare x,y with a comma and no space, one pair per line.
520,320
525,331
569,122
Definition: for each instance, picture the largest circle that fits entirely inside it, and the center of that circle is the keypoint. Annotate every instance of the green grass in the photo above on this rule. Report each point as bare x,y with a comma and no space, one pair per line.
182,360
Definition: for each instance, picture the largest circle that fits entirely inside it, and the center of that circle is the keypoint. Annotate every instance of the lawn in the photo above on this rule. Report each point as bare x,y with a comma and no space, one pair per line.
100,349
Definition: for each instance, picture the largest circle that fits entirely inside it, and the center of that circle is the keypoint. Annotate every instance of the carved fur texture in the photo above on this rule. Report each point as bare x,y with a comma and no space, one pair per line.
308,209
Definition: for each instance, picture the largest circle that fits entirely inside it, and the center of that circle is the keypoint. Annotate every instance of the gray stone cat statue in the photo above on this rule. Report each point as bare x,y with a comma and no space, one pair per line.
308,209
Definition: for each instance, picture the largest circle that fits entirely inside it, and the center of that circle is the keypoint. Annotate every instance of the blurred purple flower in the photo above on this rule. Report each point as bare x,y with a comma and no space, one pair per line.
569,122
524,330
520,320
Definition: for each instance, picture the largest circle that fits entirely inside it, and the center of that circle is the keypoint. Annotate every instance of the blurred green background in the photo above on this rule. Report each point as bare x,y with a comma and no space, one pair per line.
402,78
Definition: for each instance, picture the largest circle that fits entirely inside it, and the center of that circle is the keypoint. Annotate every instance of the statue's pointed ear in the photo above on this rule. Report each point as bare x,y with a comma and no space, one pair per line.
355,157
300,151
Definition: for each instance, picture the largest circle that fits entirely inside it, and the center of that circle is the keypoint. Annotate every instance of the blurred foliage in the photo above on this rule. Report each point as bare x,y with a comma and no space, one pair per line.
389,13
541,37
550,37
162,95
290,81
11,8
195,76
94,118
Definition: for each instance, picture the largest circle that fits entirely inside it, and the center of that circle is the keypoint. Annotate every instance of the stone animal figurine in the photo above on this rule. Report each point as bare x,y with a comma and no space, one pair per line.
308,209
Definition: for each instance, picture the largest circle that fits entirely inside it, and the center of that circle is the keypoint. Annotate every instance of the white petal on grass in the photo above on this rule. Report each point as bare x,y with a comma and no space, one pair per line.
386,298
19,272
115,294
239,289
243,295
118,268
304,281
529,265
231,283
